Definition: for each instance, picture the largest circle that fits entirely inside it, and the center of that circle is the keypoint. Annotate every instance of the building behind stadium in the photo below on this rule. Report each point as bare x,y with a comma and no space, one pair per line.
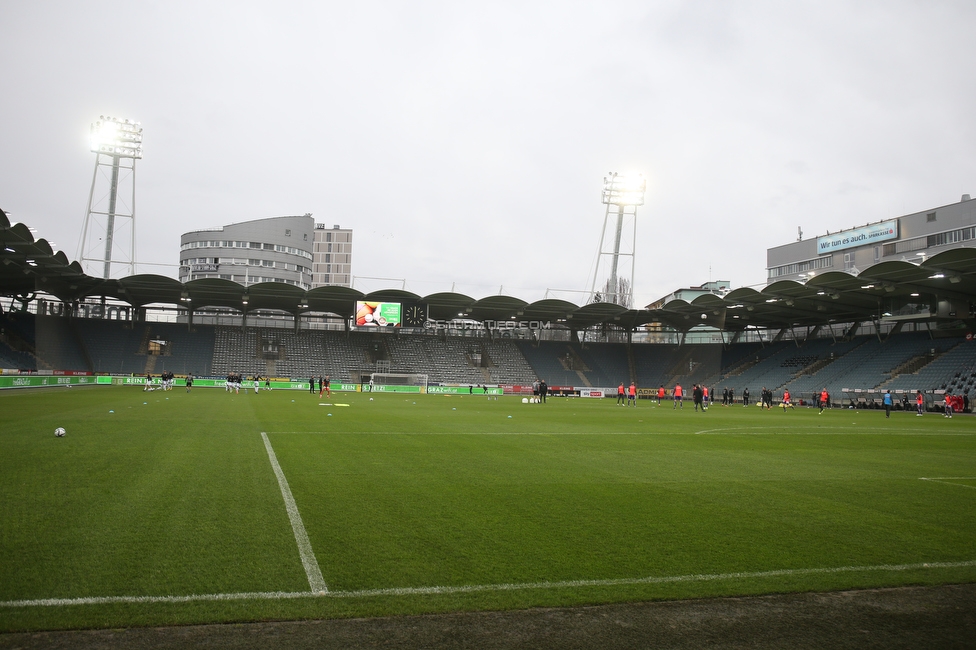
292,250
909,238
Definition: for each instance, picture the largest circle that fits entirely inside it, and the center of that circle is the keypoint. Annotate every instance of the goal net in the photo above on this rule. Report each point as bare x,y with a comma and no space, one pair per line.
399,379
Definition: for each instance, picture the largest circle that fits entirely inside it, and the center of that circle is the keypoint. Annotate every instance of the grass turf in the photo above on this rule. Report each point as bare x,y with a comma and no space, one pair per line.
457,505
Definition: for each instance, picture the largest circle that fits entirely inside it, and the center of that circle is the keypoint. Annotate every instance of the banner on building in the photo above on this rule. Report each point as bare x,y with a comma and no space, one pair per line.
878,232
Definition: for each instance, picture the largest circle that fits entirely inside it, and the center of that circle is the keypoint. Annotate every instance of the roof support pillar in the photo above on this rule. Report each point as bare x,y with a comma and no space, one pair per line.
896,329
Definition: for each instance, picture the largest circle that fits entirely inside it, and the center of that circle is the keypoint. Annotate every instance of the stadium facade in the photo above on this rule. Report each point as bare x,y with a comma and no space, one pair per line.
291,250
910,238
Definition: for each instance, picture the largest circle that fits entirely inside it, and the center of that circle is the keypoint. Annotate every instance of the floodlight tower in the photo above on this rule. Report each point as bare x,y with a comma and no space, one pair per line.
117,144
622,194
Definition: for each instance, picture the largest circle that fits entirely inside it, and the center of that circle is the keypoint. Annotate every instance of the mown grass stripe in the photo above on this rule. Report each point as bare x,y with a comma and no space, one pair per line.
462,589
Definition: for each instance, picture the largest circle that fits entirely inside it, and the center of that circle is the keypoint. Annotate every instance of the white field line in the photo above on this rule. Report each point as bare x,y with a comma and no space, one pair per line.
315,580
739,431
949,480
837,431
464,589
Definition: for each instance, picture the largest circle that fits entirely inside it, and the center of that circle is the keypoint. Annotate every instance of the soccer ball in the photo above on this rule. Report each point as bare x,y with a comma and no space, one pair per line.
59,432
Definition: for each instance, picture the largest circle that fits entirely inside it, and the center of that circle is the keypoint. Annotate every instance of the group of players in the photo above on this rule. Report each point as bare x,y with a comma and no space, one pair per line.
165,381
324,386
630,394
235,381
701,397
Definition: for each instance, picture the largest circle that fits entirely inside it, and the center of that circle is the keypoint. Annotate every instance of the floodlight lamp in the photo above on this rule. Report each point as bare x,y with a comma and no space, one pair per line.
624,189
113,136
937,276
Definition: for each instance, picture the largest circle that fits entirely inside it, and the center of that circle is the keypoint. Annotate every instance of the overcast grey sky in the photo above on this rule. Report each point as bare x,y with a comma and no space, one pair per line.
466,143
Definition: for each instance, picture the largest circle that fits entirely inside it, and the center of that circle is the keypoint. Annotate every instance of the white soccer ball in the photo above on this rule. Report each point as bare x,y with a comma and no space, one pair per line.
59,432
525,400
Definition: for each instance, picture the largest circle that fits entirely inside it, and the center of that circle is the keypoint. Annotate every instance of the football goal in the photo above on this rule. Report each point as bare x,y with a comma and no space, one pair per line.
395,379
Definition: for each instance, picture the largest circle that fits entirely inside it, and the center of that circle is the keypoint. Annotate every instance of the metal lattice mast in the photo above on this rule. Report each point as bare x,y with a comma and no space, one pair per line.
117,144
622,194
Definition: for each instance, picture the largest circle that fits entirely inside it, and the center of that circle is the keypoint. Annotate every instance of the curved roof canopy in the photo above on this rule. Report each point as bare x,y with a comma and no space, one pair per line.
28,266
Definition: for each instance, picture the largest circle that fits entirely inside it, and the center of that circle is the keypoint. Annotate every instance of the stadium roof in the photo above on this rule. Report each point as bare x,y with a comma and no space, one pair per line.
29,266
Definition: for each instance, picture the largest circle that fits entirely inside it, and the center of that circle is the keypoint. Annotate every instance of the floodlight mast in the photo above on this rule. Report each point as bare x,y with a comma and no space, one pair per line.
117,140
622,194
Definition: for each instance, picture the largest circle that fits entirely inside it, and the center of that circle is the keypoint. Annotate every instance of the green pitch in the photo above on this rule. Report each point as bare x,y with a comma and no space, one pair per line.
166,508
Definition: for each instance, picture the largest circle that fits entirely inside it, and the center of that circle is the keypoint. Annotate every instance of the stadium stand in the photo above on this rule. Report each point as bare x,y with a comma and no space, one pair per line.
869,365
17,341
835,362
16,359
58,345
118,347
902,362
551,361
507,364
952,368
